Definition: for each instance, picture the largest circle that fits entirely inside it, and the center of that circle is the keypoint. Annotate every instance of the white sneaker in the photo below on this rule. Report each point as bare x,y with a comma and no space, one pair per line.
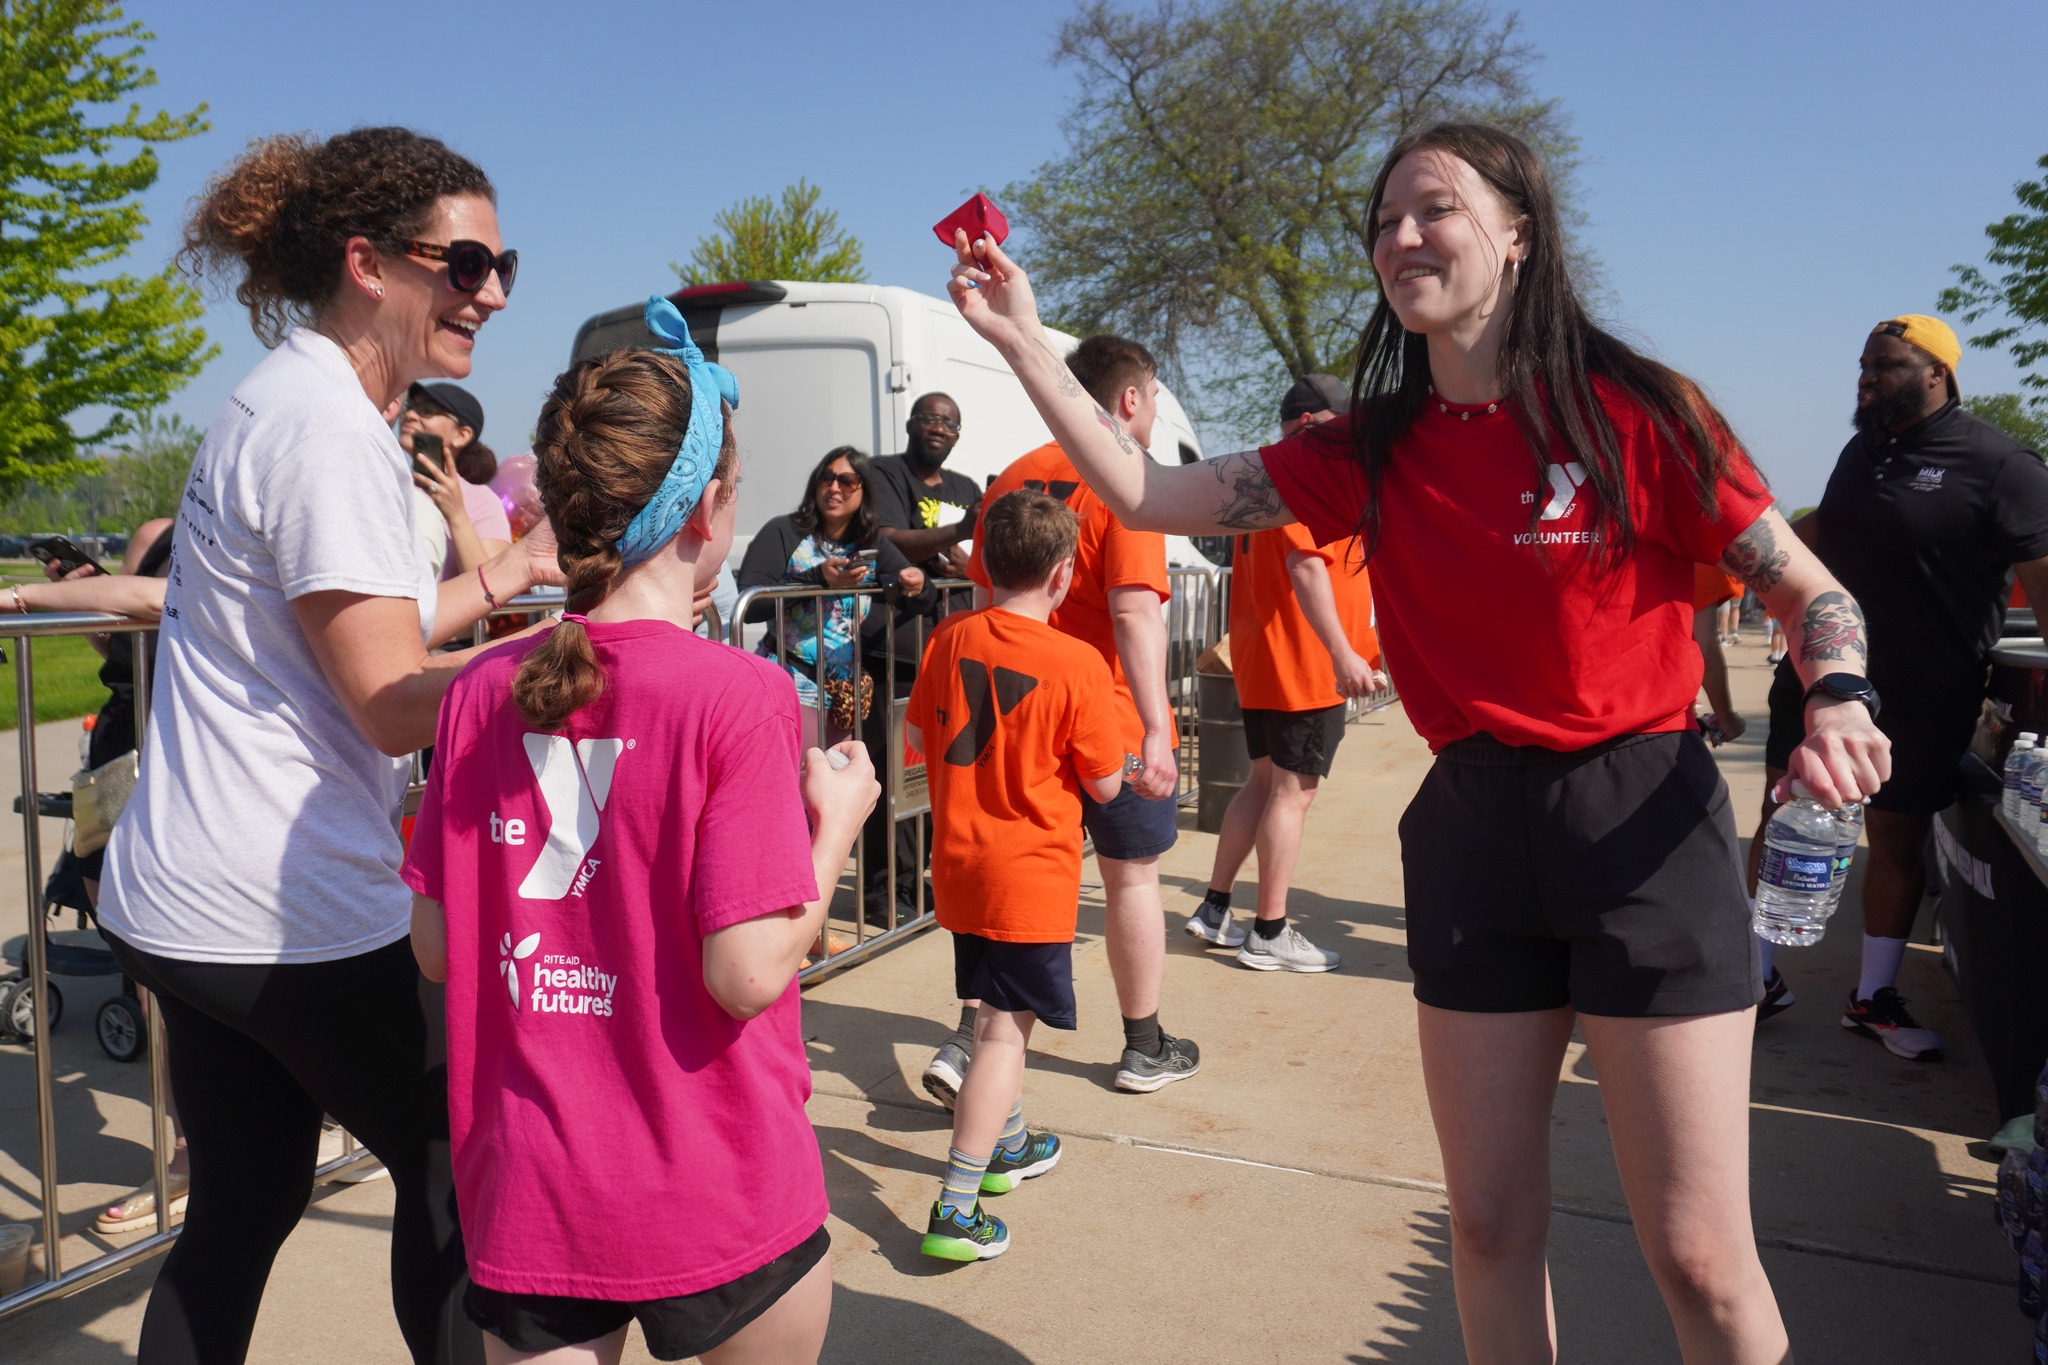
1288,951
1213,922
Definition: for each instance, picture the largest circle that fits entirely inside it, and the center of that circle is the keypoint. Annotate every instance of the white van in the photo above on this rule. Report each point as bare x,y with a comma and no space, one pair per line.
823,365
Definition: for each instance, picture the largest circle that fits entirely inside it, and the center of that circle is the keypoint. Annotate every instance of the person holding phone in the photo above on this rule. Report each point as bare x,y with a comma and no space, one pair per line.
442,429
252,882
831,541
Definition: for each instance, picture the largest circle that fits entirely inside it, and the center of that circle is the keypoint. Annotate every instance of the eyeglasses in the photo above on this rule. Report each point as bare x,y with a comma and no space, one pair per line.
848,480
470,263
926,419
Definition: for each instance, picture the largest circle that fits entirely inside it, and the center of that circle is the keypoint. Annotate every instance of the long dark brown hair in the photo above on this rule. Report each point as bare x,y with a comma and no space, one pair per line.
607,436
861,530
1549,359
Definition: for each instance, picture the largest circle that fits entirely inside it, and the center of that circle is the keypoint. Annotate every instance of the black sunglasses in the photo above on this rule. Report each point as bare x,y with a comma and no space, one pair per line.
470,263
848,480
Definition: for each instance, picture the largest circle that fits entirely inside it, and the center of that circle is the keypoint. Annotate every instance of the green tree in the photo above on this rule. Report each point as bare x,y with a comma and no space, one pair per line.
760,239
1212,201
147,478
74,339
2019,292
2024,421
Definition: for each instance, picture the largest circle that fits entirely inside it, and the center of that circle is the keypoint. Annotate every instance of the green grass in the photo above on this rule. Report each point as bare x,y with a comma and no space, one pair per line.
66,677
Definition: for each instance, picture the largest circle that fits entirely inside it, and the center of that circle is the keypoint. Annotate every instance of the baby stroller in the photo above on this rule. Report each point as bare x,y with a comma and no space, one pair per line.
119,1024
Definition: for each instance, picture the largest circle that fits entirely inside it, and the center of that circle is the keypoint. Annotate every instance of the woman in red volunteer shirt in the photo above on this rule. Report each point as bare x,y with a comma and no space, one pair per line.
1533,495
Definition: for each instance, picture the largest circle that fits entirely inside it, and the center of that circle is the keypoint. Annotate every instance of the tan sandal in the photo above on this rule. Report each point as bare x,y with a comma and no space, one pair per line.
137,1208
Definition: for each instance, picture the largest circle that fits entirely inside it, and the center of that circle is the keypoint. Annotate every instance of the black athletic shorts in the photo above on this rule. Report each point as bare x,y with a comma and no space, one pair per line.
1023,977
1300,741
676,1329
1927,747
1131,826
1607,878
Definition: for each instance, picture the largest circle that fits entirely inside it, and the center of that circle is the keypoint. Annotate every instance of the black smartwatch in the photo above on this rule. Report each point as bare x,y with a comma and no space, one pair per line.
1843,687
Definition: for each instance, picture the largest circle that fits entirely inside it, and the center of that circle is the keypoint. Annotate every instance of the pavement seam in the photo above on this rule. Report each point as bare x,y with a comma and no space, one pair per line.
1798,1245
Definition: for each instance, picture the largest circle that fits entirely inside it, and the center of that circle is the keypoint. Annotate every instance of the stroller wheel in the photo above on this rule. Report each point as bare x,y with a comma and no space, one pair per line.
122,1033
17,1007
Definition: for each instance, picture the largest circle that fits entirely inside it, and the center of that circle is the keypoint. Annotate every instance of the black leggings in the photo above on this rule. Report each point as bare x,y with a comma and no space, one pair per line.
261,1052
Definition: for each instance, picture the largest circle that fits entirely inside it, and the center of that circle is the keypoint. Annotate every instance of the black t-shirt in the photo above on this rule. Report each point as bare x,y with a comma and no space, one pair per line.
903,501
1924,528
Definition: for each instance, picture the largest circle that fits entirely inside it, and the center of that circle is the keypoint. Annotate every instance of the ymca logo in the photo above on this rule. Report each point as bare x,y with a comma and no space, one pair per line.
983,702
575,781
1565,480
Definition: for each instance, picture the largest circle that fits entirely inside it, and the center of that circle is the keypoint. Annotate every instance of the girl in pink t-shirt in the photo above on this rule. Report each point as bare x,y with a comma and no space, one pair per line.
617,877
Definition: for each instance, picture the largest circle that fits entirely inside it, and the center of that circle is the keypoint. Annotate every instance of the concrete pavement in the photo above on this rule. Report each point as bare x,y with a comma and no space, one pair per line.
1286,1204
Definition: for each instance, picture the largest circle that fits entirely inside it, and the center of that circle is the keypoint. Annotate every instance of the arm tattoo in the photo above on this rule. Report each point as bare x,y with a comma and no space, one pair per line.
1250,501
1833,628
1755,558
1068,386
1116,430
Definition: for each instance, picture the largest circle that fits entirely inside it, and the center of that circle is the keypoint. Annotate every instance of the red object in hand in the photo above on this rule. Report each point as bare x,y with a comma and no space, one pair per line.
978,217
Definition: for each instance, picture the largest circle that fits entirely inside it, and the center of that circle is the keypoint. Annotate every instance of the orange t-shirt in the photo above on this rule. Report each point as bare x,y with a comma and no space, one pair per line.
1110,555
1711,587
1014,713
1280,663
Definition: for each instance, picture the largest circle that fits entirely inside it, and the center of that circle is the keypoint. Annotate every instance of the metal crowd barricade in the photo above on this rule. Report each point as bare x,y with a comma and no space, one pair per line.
1196,616
905,798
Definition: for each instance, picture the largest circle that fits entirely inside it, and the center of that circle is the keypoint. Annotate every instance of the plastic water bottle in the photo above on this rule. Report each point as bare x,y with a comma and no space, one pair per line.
1848,829
1793,885
2015,760
2030,788
85,742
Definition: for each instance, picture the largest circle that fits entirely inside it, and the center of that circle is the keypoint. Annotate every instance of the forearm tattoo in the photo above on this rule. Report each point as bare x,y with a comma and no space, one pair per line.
1250,502
1756,559
1833,629
1115,429
1064,381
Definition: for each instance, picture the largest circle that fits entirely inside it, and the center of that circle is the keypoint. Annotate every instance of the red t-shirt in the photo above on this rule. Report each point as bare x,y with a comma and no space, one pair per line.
1279,662
1484,631
617,1135
1110,555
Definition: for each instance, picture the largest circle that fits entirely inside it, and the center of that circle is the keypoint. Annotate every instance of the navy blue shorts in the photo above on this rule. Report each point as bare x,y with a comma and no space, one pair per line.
1131,826
1037,978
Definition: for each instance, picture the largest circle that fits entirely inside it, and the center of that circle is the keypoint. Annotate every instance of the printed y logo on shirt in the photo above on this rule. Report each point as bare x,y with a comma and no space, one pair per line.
1565,480
575,781
983,701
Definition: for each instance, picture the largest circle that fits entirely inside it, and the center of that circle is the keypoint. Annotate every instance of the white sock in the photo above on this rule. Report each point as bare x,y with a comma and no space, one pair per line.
1881,959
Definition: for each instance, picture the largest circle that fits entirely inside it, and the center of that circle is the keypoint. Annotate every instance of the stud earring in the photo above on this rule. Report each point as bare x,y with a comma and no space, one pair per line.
378,290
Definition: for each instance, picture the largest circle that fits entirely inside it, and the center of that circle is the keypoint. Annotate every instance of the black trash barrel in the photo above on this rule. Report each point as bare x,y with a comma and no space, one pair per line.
1225,764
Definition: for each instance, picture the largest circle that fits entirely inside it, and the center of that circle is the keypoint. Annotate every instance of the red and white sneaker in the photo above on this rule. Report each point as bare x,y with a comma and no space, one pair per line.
1885,1018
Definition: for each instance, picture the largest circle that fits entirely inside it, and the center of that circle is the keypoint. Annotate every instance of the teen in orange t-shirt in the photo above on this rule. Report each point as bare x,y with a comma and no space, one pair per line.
1015,722
1114,607
1301,643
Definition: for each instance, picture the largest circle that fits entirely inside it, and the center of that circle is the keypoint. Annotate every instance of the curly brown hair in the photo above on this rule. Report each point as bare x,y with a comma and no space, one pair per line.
607,436
282,213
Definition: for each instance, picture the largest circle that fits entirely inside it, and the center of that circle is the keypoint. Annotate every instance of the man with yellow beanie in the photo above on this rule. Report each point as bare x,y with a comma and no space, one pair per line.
1927,516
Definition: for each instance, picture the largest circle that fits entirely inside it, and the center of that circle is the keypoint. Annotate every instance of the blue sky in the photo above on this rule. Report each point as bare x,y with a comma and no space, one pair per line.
1763,181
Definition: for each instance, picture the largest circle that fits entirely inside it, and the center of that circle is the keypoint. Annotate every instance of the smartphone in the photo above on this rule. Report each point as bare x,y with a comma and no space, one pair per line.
426,454
63,552
865,556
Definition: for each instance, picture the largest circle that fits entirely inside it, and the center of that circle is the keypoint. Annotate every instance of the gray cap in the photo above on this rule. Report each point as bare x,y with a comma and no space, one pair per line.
1314,393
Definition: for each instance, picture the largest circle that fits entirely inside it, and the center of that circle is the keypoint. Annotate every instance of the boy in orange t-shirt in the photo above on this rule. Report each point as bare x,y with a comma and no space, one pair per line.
1015,720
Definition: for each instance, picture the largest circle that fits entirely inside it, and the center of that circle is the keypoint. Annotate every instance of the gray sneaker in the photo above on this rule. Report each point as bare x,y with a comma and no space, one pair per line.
945,1071
1286,952
1213,923
1177,1060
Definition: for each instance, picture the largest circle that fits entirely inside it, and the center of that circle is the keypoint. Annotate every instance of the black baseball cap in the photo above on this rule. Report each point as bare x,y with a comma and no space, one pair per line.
1314,393
452,399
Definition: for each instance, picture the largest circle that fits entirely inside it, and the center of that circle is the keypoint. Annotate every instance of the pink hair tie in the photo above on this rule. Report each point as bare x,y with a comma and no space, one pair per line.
578,617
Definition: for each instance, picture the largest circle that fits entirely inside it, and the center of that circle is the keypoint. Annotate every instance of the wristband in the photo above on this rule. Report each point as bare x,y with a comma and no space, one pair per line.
20,607
485,586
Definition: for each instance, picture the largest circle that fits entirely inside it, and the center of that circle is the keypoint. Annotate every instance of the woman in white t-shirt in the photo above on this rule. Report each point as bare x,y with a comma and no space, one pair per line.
252,882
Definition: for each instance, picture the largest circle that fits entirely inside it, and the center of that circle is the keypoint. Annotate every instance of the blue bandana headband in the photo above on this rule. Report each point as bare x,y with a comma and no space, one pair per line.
657,523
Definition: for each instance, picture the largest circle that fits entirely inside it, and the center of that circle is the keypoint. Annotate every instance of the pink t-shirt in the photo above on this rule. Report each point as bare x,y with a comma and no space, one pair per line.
486,514
617,1134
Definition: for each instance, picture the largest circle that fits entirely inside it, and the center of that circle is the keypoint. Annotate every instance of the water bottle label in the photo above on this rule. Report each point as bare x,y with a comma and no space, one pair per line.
1798,872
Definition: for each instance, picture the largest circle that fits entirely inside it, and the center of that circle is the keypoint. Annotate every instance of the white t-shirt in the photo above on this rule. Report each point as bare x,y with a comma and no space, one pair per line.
265,826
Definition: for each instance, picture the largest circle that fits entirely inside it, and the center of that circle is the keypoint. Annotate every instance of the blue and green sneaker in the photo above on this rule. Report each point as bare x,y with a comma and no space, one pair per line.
965,1234
1039,1154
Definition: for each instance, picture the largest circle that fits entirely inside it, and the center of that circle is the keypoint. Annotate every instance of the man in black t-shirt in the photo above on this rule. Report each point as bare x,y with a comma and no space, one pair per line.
1927,516
930,512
